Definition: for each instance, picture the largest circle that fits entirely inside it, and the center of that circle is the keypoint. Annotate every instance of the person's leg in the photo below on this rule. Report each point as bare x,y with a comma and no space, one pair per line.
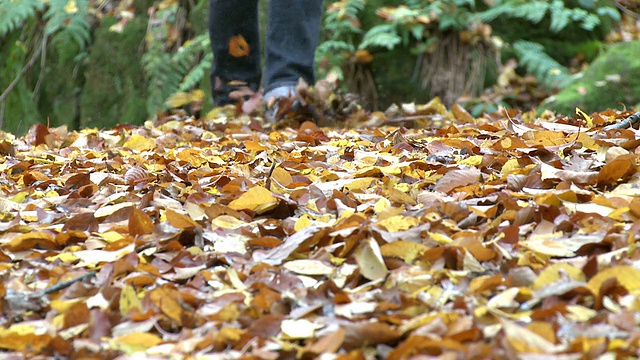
228,18
292,37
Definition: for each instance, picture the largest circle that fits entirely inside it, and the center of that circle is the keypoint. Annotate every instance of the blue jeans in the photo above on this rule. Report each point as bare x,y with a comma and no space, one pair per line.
292,37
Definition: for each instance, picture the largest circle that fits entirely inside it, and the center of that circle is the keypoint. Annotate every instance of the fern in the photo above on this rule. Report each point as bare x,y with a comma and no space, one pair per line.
163,77
169,73
70,22
188,59
384,35
14,12
538,63
560,15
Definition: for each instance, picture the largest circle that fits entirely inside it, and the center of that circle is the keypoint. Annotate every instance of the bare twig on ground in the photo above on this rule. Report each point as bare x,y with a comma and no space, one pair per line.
628,122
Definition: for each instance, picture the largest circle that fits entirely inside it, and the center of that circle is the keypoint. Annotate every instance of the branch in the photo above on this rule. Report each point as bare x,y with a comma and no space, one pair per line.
26,68
628,122
62,285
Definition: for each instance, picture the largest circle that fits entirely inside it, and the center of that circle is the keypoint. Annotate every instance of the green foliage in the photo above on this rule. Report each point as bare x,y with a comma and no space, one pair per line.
114,90
342,31
417,27
533,57
14,12
608,82
69,22
167,72
560,14
19,108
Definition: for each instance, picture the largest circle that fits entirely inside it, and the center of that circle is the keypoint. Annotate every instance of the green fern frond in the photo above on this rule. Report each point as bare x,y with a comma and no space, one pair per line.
193,77
384,35
168,73
163,77
14,12
561,15
532,56
69,21
332,46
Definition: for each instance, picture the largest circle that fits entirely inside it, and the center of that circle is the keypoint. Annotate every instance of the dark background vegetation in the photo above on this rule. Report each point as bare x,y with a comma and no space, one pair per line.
84,63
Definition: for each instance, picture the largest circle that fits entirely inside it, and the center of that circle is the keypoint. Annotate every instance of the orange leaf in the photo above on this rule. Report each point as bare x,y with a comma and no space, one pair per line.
238,46
167,299
140,223
31,240
180,221
621,167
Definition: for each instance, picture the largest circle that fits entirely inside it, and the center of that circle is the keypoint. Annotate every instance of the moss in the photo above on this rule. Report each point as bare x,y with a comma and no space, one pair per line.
611,81
63,82
115,89
20,110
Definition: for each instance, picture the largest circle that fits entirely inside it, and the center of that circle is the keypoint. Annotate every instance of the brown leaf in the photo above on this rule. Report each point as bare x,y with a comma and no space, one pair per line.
457,178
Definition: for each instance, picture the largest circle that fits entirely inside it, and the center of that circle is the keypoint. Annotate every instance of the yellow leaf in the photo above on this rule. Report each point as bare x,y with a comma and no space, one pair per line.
129,300
22,336
139,143
405,250
359,184
192,156
61,306
178,99
111,236
473,160
381,205
282,176
19,198
586,117
510,166
370,262
441,238
71,7
398,223
257,199
135,342
627,276
302,222
552,274
227,222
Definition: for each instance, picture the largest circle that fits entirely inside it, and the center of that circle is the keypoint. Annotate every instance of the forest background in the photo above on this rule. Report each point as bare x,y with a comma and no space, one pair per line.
99,63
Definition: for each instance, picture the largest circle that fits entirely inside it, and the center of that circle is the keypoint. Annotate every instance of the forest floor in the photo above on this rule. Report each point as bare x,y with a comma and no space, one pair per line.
423,232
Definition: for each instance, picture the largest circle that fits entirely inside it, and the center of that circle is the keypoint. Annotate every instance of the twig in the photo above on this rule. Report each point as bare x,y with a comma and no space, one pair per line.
627,11
62,285
628,122
412,118
43,63
26,68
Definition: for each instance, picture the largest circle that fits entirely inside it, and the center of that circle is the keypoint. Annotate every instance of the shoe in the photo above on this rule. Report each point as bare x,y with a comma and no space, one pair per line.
285,103
232,91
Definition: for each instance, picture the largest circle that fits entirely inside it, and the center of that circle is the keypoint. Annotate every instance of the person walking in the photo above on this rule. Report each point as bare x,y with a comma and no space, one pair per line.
293,29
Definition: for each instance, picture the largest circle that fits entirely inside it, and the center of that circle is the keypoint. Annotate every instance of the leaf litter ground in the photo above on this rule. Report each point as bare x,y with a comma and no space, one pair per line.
420,233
